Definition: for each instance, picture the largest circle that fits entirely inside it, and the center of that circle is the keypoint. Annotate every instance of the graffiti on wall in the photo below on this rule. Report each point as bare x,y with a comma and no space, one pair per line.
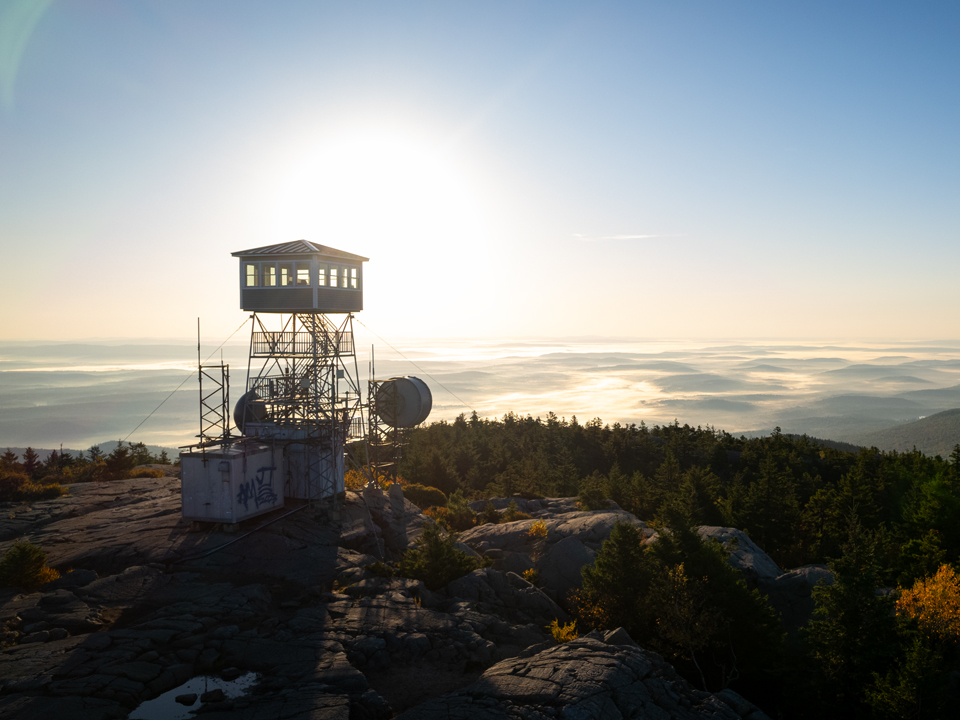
259,489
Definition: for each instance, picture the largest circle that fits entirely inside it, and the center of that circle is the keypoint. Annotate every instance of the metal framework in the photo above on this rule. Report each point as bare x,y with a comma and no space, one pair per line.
384,443
214,404
308,395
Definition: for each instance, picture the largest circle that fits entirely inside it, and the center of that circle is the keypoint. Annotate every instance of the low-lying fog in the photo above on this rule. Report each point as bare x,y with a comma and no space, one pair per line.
81,394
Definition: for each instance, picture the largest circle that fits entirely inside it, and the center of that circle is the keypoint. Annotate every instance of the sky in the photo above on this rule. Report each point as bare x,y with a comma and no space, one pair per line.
512,169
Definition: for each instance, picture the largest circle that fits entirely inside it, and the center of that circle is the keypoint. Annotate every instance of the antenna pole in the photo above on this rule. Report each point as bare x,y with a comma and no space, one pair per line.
203,450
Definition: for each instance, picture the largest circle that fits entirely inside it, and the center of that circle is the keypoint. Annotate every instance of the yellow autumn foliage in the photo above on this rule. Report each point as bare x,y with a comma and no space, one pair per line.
935,604
538,530
563,633
357,480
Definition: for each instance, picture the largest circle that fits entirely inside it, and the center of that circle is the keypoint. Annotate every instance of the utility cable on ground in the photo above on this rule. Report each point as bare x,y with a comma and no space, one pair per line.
205,553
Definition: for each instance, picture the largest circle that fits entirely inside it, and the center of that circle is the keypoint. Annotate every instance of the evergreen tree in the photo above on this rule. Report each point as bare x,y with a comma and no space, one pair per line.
140,455
852,634
616,586
770,513
31,462
696,500
10,461
118,462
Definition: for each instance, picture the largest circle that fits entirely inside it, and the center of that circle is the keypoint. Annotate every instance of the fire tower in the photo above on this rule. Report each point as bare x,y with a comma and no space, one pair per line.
302,401
303,389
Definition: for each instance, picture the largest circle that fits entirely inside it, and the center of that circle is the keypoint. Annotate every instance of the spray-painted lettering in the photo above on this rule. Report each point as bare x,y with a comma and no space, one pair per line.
259,489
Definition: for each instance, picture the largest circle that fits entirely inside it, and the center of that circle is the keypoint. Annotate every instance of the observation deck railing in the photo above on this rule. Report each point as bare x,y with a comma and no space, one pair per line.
328,343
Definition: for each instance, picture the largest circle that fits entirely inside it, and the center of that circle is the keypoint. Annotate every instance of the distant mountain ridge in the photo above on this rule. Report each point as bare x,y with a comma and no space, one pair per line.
934,435
105,447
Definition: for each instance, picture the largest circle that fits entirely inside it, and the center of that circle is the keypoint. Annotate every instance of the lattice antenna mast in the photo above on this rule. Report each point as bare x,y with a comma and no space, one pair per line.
214,401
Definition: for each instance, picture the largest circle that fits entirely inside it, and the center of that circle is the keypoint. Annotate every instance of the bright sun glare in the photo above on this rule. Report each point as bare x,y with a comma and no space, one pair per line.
371,189
398,198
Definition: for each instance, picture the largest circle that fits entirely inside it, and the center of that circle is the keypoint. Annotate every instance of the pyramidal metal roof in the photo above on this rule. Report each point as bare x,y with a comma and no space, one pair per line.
300,247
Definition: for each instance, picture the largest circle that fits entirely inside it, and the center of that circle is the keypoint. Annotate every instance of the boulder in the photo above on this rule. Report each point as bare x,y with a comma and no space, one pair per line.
375,522
791,594
619,637
72,580
408,587
507,595
531,507
590,528
133,585
514,562
560,567
745,555
357,529
584,678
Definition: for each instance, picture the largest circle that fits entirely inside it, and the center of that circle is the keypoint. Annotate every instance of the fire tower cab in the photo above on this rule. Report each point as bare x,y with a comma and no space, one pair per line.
300,276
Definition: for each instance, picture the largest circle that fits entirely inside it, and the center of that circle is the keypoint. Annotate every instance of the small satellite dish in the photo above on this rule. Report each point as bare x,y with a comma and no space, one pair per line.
249,408
403,401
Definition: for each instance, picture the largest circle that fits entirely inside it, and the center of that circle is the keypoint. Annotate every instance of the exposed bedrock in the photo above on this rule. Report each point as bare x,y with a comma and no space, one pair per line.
153,601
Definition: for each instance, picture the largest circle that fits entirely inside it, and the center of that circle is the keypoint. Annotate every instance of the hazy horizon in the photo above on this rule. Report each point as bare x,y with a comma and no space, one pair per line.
79,394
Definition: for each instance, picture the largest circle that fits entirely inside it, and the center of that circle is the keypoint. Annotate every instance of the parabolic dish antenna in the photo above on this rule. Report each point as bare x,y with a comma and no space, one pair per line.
403,401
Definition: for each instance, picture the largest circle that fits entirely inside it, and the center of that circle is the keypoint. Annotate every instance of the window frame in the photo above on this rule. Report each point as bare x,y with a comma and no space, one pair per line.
299,265
248,266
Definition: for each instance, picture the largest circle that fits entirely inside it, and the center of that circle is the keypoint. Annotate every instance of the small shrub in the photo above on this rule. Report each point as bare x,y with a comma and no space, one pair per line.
532,577
424,496
72,474
589,610
563,633
489,514
24,565
538,530
440,516
435,559
11,482
354,480
513,513
36,491
460,517
146,473
537,534
17,486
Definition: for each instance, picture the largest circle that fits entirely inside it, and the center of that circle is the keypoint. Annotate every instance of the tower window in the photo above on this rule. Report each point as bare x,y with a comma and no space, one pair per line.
333,276
269,275
253,275
353,278
286,275
303,273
